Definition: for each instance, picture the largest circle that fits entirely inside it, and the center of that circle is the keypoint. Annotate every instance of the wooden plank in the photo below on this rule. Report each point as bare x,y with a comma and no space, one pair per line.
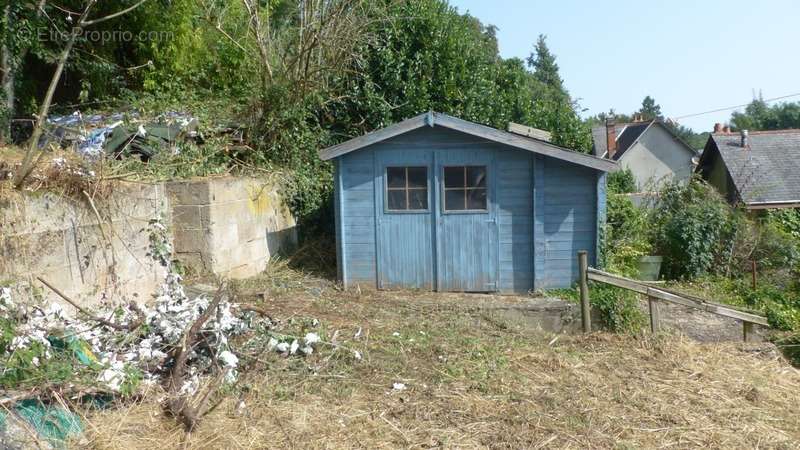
655,317
709,307
530,132
583,264
747,331
714,308
618,282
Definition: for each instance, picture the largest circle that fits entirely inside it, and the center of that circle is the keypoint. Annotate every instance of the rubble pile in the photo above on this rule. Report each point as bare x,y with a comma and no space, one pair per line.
120,134
147,351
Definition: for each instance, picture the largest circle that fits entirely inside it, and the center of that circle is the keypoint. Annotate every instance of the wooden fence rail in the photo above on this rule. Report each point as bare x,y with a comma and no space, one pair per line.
655,296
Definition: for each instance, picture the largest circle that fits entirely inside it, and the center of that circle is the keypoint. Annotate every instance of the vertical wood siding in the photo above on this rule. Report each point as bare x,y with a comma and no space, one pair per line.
542,211
467,243
567,217
515,219
357,222
405,239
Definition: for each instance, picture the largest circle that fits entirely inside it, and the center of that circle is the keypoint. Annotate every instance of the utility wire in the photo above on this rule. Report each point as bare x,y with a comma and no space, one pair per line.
734,107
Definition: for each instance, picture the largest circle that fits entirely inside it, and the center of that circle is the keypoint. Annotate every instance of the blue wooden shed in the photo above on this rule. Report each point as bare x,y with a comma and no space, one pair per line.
439,203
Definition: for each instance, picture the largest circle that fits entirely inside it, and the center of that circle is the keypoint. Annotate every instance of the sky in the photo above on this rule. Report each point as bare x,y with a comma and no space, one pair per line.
691,56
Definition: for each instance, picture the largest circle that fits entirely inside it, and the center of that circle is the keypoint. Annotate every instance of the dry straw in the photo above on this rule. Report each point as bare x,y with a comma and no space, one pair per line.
475,383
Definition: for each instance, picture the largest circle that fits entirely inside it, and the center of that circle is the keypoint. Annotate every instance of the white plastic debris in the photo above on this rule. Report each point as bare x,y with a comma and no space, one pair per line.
228,359
311,338
144,352
113,376
357,355
396,334
399,386
7,305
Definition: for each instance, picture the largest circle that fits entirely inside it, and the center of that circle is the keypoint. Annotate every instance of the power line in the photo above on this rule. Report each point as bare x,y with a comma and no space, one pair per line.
734,107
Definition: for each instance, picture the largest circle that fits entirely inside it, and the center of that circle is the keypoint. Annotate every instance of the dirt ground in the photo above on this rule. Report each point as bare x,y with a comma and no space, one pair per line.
433,374
703,326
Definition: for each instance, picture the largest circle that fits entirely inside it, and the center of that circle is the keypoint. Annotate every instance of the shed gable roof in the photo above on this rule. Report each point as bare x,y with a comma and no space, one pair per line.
766,171
491,134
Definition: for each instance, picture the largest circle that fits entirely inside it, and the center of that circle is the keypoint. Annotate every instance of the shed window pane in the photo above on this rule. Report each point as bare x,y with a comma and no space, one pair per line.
465,188
454,177
406,188
454,200
476,199
397,199
418,177
418,199
476,176
396,177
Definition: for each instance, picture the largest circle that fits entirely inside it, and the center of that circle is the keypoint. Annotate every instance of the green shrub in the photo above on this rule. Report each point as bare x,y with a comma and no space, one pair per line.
692,224
626,238
621,182
786,220
619,308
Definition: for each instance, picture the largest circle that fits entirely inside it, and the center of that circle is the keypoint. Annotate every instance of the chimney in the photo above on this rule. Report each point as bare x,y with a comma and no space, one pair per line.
611,137
745,139
717,127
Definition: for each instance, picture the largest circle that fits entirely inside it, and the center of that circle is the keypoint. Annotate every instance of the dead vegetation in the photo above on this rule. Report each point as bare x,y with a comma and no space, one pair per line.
471,382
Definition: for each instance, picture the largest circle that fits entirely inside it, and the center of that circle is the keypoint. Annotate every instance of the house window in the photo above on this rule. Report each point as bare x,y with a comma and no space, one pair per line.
407,188
465,188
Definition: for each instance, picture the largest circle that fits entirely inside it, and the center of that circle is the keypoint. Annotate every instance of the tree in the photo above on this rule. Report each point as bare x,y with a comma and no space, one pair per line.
544,65
83,21
758,115
650,110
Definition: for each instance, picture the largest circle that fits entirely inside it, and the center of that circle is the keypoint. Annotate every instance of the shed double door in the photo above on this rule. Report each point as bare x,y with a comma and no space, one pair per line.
437,226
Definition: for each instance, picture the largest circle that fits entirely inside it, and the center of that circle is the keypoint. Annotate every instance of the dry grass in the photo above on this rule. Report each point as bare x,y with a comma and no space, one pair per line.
473,382
60,172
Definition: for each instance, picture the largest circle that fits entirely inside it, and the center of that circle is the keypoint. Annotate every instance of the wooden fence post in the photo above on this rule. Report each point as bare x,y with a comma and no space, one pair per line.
747,331
655,318
583,265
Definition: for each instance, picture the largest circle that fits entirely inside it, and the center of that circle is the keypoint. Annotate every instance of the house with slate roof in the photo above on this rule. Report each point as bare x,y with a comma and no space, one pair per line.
650,149
760,169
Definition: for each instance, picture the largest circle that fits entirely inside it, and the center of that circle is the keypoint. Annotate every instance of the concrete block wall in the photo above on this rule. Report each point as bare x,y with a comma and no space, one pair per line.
61,239
229,226
222,226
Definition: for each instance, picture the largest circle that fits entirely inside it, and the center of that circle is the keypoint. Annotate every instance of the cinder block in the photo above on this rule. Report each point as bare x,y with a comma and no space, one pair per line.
228,213
192,241
188,192
186,218
228,189
224,237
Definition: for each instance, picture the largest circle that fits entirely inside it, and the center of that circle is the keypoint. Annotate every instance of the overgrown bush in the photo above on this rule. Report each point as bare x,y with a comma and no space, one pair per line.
621,182
626,237
693,226
619,308
787,220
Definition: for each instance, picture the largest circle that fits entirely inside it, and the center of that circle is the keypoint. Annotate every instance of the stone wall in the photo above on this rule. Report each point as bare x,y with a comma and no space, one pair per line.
222,226
229,226
62,240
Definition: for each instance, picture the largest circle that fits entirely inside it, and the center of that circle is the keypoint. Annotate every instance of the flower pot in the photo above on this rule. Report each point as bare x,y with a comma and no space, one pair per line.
649,267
